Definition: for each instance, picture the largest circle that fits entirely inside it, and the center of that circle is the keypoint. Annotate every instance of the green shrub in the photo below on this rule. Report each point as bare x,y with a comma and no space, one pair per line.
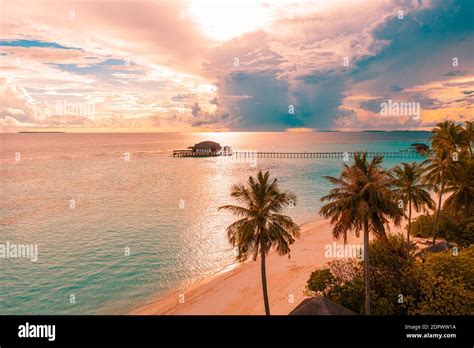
447,284
442,283
320,280
453,226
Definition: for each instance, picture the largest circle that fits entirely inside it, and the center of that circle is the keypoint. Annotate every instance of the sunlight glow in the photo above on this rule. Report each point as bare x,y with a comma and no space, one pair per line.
225,20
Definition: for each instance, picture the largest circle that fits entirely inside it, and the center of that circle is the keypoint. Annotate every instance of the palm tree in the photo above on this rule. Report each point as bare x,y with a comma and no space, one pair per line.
410,188
468,131
261,226
362,200
438,169
461,186
449,136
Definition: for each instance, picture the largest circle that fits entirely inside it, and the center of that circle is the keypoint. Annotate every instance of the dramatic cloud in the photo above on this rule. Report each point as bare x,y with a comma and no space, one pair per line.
317,73
187,65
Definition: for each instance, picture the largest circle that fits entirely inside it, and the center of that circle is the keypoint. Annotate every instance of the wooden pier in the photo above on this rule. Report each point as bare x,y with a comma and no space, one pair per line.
258,154
186,153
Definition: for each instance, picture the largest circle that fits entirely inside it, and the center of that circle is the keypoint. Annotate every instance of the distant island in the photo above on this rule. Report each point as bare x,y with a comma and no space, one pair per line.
395,131
418,131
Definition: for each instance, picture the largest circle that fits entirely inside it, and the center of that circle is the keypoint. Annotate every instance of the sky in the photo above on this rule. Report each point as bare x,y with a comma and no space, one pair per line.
167,66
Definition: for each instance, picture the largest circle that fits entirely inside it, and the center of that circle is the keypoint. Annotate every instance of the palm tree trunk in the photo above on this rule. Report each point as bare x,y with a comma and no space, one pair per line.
264,284
437,213
409,229
366,270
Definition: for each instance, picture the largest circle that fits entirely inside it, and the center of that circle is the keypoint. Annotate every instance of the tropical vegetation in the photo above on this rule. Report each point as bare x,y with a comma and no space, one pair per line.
411,191
443,284
364,198
454,225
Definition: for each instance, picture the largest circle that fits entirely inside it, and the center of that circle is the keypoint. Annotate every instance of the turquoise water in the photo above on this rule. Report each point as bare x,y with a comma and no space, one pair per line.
162,209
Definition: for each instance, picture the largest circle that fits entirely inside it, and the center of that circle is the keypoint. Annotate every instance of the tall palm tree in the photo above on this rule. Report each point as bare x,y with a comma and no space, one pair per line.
461,187
449,136
261,225
412,190
362,200
438,170
468,131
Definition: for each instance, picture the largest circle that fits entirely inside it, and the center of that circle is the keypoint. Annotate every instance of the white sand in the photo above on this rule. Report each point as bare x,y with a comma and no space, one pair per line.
239,291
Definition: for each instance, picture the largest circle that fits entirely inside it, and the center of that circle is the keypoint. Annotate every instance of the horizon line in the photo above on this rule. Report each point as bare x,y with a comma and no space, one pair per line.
234,131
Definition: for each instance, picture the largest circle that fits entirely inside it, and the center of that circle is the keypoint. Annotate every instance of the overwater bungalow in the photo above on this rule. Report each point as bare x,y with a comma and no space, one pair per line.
420,148
204,149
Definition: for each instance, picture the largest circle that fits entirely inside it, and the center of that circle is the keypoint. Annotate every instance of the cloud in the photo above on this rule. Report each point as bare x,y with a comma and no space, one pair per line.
316,72
326,65
195,109
456,73
281,96
200,118
213,120
15,103
184,97
420,47
33,43
396,88
154,31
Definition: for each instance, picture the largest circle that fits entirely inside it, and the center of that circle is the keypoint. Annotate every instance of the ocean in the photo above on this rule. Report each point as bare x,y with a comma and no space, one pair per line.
117,221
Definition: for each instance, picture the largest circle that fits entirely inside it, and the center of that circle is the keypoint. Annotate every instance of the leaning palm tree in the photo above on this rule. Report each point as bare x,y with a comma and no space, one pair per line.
468,131
438,170
449,136
410,188
261,225
461,187
362,200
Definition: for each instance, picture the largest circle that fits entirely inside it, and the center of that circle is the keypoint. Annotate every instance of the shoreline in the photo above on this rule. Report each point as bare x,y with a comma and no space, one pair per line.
237,290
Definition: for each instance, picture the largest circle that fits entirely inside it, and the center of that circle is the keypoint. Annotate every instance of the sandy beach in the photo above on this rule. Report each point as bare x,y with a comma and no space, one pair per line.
239,290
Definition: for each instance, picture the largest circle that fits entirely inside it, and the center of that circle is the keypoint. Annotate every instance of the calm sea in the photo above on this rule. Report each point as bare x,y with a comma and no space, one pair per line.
118,221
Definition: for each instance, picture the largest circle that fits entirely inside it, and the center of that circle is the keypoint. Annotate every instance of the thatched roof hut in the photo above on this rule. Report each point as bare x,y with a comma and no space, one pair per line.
320,306
421,148
204,149
436,248
207,146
